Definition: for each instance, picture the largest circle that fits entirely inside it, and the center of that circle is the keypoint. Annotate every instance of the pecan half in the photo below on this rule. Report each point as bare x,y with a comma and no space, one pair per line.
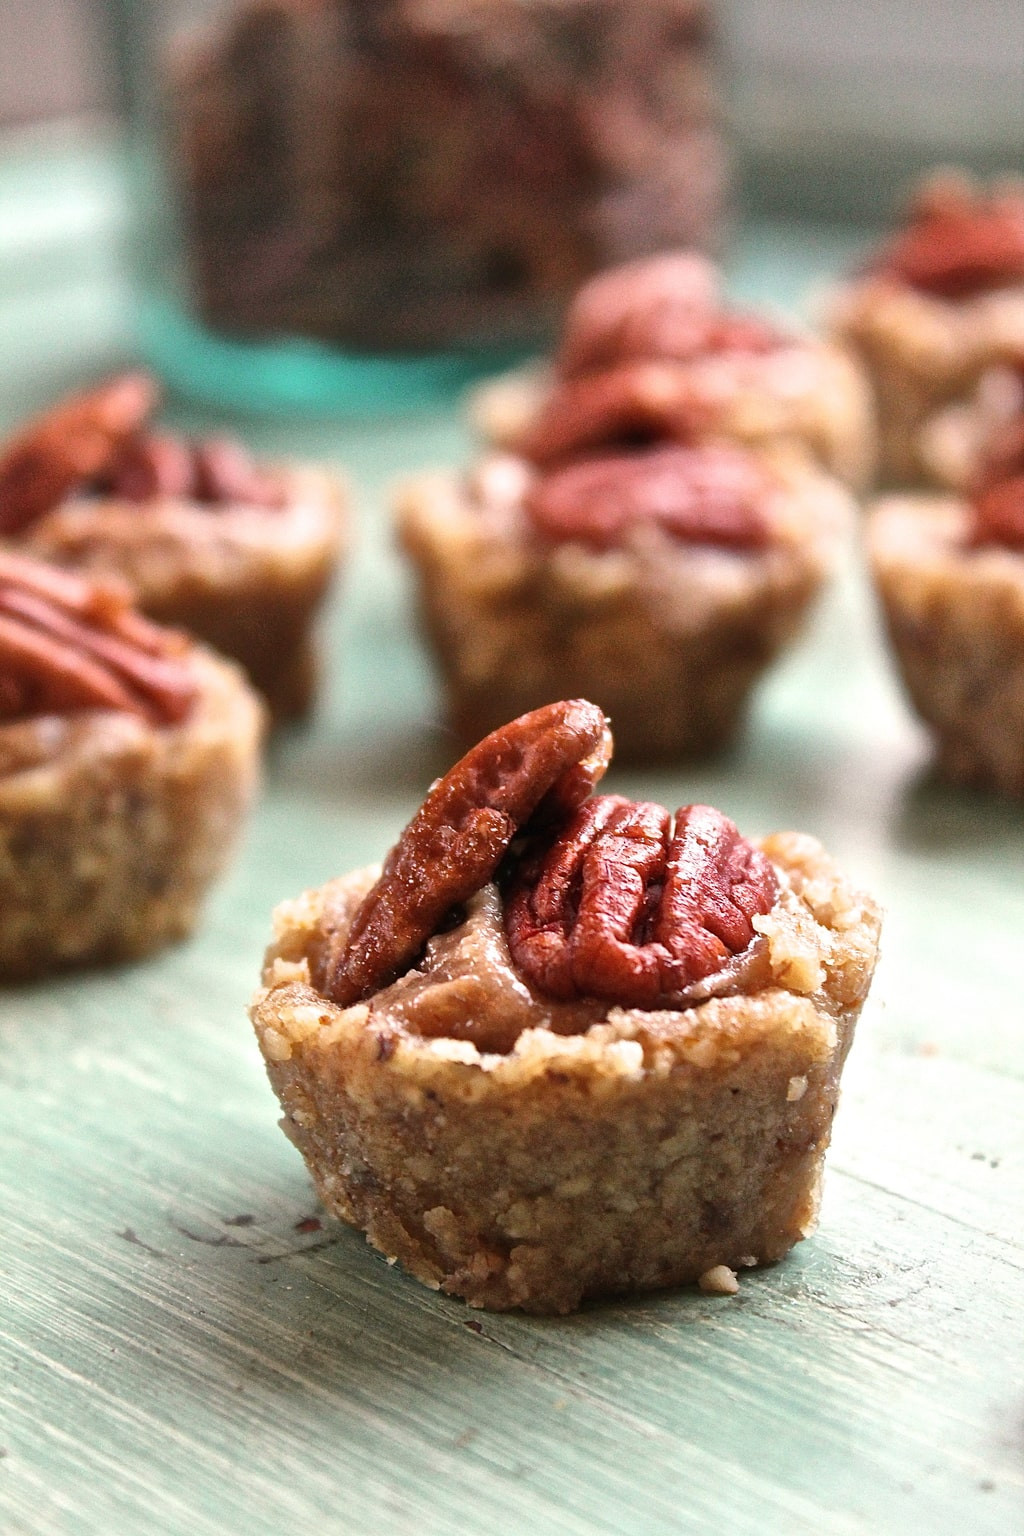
98,443
628,406
540,766
67,644
624,908
959,242
217,471
715,494
664,307
76,442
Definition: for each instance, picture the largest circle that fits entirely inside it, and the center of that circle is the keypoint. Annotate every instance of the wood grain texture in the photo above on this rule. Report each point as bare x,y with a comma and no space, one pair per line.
188,1345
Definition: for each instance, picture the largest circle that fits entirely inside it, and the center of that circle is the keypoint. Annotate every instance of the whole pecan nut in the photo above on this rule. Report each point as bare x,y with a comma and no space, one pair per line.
715,494
958,242
67,447
622,907
67,644
539,767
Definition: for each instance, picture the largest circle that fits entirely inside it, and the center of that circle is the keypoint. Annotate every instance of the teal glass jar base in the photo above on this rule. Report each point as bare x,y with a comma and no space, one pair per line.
297,376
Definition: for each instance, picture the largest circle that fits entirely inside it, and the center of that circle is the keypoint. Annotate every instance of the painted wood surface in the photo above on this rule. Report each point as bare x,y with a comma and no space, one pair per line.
188,1345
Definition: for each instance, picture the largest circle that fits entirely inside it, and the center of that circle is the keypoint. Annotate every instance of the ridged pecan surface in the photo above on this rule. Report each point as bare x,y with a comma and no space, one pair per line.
539,767
99,442
68,645
626,907
624,435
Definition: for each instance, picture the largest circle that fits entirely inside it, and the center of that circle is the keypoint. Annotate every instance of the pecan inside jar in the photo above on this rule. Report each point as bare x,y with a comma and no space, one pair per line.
959,241
68,645
626,907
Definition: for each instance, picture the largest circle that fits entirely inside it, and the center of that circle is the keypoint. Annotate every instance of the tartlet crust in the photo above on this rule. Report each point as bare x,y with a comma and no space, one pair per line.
921,353
954,611
112,829
246,580
638,1153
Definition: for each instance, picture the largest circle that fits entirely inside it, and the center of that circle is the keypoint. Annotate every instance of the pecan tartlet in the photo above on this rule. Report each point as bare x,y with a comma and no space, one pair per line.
950,574
651,346
630,551
239,554
562,1045
659,582
128,757
940,304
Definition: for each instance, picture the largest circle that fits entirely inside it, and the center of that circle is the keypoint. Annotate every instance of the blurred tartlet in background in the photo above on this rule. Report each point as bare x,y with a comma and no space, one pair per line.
238,553
940,304
633,549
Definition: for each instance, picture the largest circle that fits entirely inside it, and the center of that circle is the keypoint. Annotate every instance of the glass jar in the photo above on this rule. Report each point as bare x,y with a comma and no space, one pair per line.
366,201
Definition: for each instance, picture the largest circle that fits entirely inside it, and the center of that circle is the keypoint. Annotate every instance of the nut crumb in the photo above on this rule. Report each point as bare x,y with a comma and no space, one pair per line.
796,1090
719,1281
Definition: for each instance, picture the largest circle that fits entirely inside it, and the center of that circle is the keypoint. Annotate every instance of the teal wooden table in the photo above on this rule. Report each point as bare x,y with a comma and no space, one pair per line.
188,1345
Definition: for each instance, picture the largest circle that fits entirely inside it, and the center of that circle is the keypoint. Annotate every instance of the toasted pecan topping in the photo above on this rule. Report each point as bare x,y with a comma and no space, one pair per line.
615,440
998,513
67,645
99,443
630,405
541,766
74,443
713,494
623,907
666,307
959,241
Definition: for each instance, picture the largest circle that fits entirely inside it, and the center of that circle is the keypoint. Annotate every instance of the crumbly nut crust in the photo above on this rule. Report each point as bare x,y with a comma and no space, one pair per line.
668,638
921,353
810,394
955,615
112,829
246,580
955,441
610,1149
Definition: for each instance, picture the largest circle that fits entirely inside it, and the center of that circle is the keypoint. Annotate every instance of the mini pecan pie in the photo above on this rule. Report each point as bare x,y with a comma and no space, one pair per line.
648,349
128,758
563,1045
239,554
938,305
659,581
950,574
